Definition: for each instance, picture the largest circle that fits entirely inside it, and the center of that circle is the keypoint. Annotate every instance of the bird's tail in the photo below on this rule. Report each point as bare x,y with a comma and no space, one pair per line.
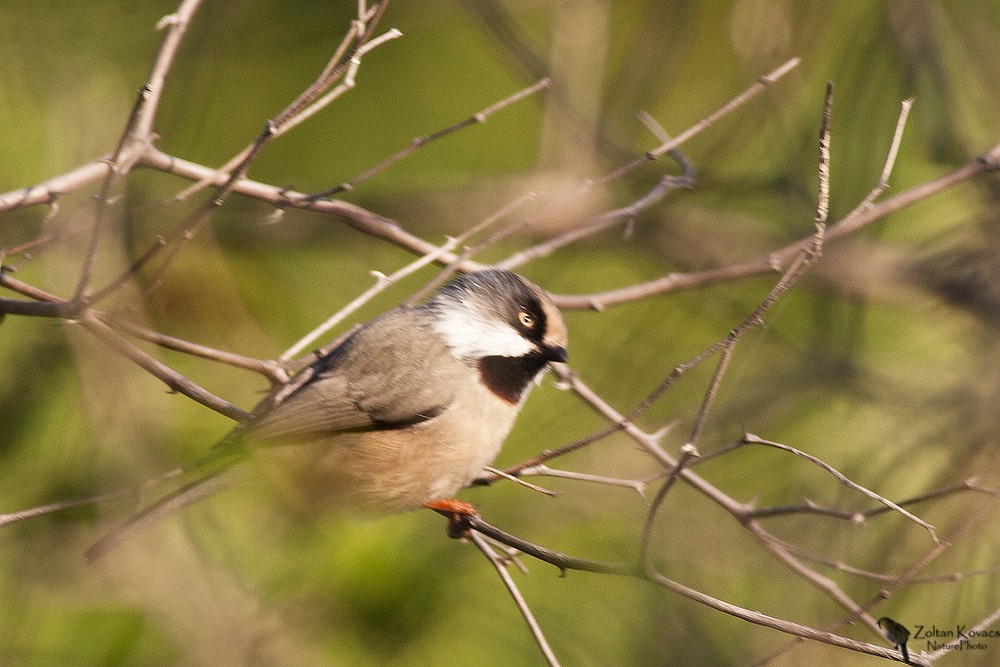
215,475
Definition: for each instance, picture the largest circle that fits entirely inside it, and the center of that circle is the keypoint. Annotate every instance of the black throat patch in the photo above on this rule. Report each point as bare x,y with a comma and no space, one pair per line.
508,377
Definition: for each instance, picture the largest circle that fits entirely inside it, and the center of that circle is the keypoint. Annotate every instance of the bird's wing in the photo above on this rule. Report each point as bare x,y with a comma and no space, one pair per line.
392,372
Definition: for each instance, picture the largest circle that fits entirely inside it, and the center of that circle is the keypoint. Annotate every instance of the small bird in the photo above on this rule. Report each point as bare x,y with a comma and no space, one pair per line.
409,409
897,634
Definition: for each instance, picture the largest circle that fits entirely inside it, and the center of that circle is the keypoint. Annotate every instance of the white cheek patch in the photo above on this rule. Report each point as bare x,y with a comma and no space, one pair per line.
471,336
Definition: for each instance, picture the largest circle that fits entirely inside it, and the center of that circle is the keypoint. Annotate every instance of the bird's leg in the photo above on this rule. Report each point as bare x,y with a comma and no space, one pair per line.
458,513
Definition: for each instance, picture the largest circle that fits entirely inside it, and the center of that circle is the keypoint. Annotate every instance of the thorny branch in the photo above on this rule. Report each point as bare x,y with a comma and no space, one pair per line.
135,150
808,254
567,563
419,142
529,618
910,575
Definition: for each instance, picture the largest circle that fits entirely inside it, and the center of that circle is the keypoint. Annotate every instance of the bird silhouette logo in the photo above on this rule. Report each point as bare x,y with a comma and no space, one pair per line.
896,633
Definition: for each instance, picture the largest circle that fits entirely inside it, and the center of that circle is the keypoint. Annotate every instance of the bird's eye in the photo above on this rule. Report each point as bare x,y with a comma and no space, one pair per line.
526,320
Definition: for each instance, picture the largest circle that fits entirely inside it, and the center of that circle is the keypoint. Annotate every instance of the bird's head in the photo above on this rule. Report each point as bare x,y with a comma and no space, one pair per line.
497,313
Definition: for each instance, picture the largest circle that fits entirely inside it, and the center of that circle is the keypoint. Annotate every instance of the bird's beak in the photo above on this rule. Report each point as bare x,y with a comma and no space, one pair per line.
554,353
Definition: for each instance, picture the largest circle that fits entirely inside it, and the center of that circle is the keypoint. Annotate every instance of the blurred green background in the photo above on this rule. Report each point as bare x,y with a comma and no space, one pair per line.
880,362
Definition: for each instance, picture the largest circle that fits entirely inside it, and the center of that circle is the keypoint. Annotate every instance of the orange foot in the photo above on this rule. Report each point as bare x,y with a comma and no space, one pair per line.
458,513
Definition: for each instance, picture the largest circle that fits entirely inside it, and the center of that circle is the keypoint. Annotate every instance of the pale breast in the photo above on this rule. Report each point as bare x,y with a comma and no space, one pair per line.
393,470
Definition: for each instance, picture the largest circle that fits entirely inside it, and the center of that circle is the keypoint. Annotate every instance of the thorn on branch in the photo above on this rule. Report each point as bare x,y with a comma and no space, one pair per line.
991,159
168,21
274,217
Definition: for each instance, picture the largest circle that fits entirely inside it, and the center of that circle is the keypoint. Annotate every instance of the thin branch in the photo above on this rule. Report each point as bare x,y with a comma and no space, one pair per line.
382,282
897,583
859,516
518,480
628,213
712,391
348,84
637,485
174,380
566,562
121,162
129,273
788,627
359,218
471,251
174,26
863,214
43,304
705,123
418,142
688,452
890,160
47,192
137,134
273,371
840,566
49,305
752,439
821,582
823,186
51,508
599,223
529,618
619,422
344,60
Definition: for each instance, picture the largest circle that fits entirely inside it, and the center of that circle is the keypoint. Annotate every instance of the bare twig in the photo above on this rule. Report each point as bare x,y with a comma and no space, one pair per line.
688,452
273,371
637,485
418,142
382,282
664,186
345,60
529,618
840,566
863,214
703,124
174,380
518,480
973,519
566,562
51,508
49,191
138,131
174,27
359,218
843,479
859,516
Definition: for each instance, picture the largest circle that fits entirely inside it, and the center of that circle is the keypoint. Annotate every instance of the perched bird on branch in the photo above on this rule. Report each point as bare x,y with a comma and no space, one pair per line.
409,409
897,634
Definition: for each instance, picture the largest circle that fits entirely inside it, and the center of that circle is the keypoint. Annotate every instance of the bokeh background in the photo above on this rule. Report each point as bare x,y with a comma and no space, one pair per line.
882,362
